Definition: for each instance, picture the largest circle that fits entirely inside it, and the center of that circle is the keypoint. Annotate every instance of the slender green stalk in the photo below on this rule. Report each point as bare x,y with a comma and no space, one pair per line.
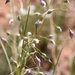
57,61
25,26
24,32
10,67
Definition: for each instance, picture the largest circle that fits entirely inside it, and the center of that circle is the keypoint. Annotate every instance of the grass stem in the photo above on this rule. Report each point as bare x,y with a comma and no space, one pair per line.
57,61
10,67
25,26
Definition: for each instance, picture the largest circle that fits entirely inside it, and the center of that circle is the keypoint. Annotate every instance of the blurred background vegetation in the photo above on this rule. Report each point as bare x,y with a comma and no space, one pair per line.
62,17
